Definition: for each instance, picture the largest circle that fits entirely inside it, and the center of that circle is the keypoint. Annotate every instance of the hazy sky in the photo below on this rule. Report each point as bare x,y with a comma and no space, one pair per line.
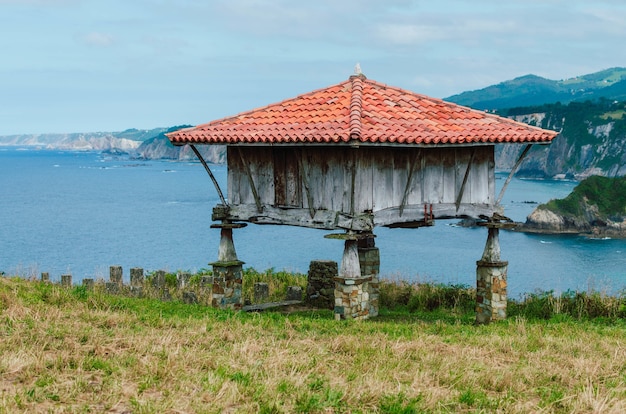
95,65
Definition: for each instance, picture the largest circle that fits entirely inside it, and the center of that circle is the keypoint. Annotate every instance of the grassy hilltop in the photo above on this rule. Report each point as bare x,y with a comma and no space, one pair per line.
74,350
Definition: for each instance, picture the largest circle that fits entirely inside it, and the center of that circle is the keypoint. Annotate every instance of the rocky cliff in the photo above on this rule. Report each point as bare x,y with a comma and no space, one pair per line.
124,141
97,141
596,207
160,147
592,141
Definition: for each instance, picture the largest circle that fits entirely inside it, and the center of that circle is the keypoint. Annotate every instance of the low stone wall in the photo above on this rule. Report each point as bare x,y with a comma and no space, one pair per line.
220,291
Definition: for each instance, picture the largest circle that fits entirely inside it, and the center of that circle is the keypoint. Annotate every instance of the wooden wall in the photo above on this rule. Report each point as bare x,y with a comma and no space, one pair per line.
389,184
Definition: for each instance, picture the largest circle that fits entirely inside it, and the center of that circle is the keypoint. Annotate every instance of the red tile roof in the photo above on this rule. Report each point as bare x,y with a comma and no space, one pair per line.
363,110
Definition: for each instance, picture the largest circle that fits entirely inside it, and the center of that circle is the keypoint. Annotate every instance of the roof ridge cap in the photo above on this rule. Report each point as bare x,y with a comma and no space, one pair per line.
356,106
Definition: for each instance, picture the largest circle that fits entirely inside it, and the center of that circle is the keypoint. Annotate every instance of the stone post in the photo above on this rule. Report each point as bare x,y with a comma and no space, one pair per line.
294,293
115,275
320,290
369,259
491,280
66,281
183,279
136,281
136,277
45,277
88,283
261,292
158,280
228,270
351,288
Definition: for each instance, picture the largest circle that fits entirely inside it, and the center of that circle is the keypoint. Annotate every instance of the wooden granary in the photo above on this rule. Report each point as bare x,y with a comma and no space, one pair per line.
357,155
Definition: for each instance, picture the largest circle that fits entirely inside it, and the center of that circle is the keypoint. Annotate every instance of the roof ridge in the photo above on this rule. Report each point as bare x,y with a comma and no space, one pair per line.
356,106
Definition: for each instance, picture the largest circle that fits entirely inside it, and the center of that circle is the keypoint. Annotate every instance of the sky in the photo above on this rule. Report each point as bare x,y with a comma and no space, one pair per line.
92,65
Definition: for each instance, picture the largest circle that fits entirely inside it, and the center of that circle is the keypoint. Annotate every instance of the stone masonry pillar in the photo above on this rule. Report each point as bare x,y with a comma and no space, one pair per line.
491,280
351,288
369,259
227,271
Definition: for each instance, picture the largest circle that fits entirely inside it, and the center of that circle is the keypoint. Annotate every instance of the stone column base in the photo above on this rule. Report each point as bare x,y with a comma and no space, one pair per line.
369,258
227,285
352,299
491,297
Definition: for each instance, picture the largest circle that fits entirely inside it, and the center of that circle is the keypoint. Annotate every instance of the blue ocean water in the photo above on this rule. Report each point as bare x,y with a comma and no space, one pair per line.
80,212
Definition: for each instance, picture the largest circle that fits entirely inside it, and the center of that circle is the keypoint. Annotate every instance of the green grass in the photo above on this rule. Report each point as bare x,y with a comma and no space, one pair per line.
71,350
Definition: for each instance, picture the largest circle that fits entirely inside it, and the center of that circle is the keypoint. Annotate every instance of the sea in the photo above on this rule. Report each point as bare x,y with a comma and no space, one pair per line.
70,212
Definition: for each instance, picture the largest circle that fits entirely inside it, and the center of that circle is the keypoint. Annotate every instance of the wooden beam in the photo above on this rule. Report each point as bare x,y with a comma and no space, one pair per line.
390,217
409,180
353,180
305,181
459,196
208,170
257,200
322,219
513,170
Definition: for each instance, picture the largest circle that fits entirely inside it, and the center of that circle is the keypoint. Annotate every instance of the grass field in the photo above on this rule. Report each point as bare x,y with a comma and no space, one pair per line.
72,350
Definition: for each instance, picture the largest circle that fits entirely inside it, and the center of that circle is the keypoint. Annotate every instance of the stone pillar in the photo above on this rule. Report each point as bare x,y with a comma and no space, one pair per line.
183,279
351,288
45,277
136,281
294,293
88,283
136,277
158,280
227,271
369,259
320,290
66,281
115,275
491,281
261,292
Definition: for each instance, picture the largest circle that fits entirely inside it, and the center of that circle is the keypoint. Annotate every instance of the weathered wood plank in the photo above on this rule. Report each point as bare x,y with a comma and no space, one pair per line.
322,219
416,194
293,180
382,187
270,305
412,213
464,159
479,178
448,161
280,177
433,176
363,180
386,178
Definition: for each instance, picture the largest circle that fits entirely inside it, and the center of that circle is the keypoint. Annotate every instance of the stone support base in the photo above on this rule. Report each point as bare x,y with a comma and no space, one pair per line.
321,284
369,258
491,276
491,298
352,297
227,285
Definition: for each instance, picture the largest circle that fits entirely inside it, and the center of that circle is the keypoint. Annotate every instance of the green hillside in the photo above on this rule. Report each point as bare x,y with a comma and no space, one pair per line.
608,194
532,90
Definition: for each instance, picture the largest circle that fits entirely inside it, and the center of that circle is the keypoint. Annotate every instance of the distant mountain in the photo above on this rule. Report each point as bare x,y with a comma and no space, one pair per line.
127,140
160,147
531,90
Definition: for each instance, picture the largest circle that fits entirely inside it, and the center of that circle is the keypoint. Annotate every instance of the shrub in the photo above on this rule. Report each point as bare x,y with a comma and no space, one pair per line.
578,305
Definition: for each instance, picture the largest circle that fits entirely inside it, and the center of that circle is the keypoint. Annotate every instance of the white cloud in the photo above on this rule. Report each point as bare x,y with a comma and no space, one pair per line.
407,34
98,39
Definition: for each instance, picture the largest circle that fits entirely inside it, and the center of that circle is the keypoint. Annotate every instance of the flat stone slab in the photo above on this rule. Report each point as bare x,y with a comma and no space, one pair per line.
269,305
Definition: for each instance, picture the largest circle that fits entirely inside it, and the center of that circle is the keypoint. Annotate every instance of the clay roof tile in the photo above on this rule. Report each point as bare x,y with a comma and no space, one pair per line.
367,111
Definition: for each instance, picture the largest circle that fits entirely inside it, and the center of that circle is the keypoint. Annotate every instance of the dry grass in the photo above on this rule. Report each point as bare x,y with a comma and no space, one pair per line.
72,351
